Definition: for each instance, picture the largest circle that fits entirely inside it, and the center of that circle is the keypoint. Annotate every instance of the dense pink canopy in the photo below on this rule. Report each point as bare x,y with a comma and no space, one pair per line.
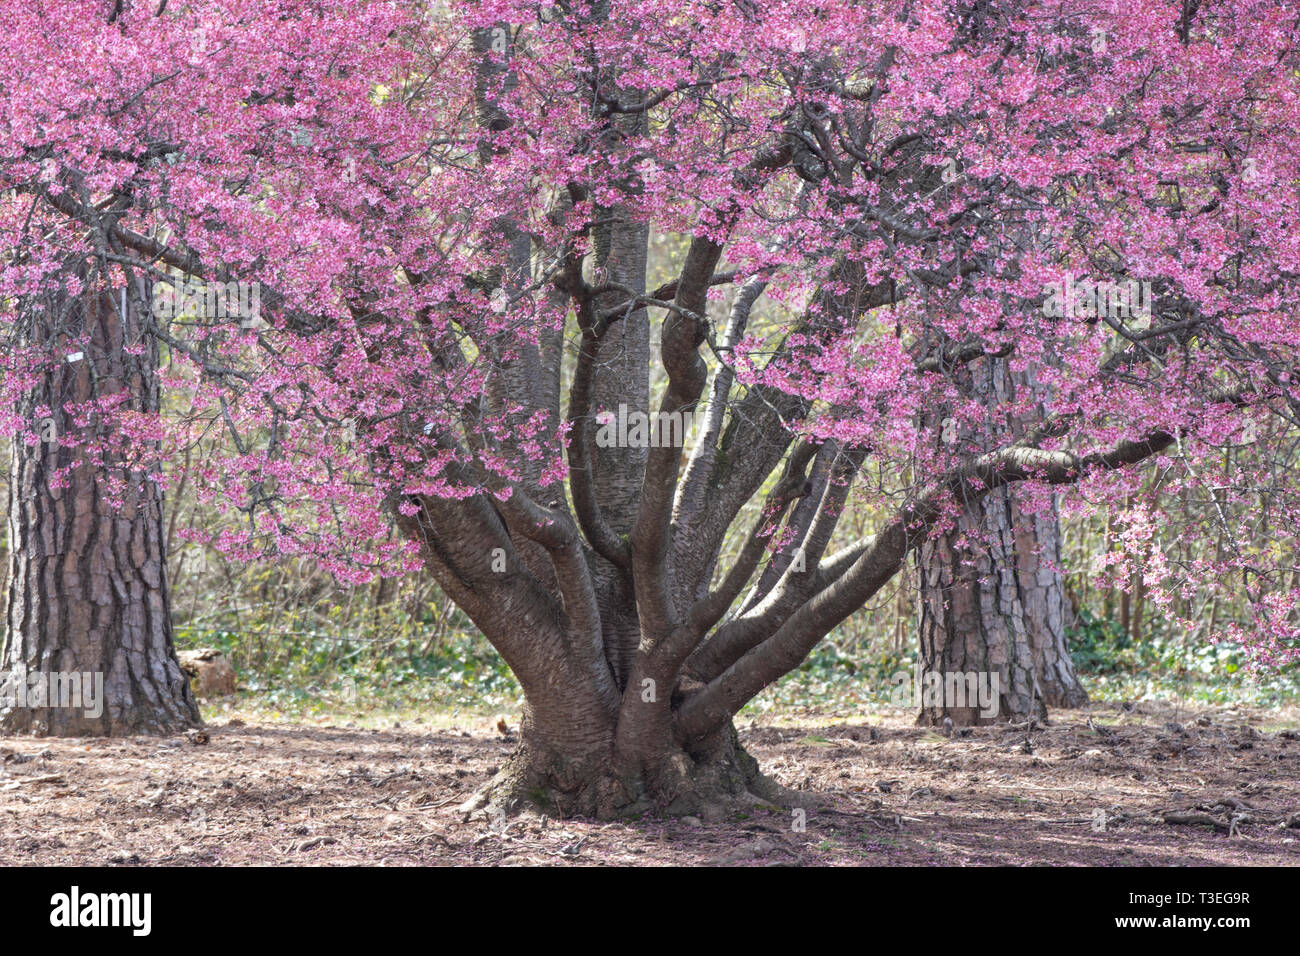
370,166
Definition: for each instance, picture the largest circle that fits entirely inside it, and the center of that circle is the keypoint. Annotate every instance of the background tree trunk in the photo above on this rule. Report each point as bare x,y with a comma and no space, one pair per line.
87,581
992,601
997,607
1047,609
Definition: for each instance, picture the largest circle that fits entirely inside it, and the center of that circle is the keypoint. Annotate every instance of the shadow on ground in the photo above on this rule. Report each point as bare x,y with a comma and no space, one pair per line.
1143,785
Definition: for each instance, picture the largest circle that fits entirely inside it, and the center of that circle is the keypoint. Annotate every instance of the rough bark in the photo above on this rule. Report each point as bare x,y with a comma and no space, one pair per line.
1039,568
992,599
994,604
87,580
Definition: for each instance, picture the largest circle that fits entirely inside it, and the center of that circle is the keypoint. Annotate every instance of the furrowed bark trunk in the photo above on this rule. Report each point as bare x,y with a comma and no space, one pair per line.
1047,607
87,580
993,609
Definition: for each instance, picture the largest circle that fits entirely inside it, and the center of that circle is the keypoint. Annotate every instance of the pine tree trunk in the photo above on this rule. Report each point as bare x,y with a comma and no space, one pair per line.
1047,610
995,609
87,579
993,606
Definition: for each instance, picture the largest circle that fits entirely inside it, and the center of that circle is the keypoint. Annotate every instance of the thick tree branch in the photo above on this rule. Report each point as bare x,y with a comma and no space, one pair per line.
580,442
793,485
787,647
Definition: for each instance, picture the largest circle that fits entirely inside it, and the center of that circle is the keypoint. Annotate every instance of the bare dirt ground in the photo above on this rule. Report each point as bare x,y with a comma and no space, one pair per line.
1146,785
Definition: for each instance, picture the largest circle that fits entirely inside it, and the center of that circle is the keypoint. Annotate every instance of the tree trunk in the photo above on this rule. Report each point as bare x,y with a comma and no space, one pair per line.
709,780
87,577
993,607
1046,606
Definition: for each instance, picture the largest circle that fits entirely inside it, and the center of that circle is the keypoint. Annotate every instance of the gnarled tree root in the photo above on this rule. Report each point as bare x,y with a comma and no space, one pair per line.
712,783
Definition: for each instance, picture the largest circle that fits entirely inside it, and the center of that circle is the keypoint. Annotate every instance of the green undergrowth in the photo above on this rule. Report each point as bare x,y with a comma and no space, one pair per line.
393,670
844,676
1117,667
367,674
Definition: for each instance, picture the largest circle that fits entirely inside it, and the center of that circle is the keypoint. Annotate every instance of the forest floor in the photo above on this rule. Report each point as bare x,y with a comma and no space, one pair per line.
1145,784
